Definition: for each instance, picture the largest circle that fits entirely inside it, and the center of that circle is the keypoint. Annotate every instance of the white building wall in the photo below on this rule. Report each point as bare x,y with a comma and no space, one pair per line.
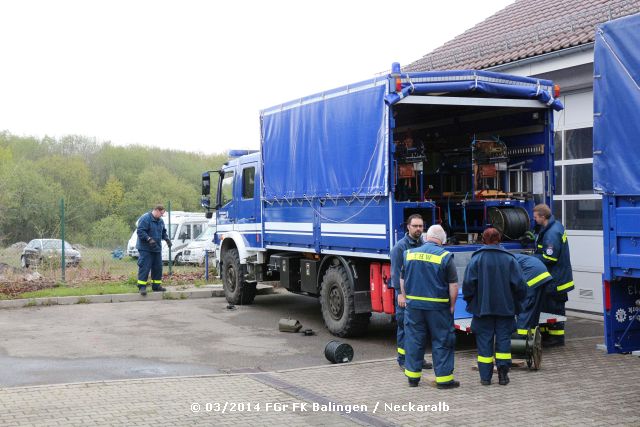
574,205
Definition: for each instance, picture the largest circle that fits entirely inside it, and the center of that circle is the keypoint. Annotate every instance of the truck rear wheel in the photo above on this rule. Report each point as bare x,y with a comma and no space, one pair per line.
236,290
337,303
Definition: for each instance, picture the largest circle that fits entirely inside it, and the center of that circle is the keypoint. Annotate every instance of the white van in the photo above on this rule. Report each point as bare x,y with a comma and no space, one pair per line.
185,226
195,251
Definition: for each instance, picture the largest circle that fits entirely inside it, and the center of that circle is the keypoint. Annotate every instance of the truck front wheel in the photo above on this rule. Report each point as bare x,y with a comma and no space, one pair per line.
236,290
338,309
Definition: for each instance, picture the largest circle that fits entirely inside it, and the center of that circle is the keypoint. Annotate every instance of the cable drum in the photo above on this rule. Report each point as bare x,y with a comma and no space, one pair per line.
511,221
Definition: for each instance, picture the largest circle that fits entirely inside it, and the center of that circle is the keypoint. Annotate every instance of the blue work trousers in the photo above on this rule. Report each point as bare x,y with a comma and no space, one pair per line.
492,332
149,262
529,318
555,304
400,333
419,327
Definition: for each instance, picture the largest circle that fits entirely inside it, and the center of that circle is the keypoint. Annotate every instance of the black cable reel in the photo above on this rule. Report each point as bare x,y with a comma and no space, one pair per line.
530,348
511,221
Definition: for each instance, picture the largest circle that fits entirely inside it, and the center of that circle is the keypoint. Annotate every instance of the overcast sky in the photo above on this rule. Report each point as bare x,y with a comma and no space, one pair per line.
194,74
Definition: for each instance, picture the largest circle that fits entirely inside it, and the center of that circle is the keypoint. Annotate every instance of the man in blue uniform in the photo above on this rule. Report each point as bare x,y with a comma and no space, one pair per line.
411,239
552,248
428,293
493,288
151,231
537,277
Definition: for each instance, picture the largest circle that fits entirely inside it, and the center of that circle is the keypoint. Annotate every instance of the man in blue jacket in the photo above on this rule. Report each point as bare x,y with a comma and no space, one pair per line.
428,293
151,231
493,288
538,278
411,239
552,248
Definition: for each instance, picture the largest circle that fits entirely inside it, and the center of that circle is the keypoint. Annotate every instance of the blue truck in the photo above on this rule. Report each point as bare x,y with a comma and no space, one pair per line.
324,200
616,175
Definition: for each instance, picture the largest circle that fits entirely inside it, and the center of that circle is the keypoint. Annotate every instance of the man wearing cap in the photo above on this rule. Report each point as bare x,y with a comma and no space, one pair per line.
151,231
428,294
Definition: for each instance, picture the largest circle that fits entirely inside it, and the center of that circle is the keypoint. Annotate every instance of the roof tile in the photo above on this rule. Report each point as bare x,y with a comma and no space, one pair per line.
524,29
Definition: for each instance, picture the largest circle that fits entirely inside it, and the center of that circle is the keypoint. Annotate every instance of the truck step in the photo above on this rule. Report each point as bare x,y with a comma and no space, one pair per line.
464,325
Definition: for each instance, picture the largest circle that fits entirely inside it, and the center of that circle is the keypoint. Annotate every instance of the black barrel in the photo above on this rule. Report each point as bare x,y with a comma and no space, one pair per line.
338,352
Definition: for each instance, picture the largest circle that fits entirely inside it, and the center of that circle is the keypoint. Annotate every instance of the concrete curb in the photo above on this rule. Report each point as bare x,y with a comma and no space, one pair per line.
584,315
209,291
93,299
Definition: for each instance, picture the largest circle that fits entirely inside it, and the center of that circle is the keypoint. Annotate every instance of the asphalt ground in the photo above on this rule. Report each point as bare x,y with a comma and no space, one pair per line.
180,362
97,342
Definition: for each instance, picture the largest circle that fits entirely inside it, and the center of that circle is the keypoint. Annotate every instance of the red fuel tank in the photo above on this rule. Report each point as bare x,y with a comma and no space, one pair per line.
376,285
388,294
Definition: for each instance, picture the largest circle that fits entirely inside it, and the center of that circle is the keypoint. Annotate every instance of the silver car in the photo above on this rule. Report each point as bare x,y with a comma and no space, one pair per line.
41,250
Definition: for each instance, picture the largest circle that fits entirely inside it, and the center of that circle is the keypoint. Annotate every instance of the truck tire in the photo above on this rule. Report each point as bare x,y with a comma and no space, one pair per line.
236,290
337,304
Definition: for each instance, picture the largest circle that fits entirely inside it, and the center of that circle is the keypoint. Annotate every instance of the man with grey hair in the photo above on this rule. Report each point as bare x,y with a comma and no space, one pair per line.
438,232
428,293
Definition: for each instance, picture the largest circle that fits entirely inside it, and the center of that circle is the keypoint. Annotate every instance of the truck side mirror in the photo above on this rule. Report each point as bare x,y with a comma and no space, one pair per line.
206,184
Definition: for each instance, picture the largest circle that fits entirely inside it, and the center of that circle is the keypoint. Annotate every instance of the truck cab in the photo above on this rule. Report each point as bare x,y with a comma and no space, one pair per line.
238,213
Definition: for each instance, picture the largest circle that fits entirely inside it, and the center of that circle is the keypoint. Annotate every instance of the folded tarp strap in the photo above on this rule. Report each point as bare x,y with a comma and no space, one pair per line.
475,85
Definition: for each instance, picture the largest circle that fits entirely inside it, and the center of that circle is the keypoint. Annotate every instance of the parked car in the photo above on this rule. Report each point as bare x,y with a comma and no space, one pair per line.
194,252
39,250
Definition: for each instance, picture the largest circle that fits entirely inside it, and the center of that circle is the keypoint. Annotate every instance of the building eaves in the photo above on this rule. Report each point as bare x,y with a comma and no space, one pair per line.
525,29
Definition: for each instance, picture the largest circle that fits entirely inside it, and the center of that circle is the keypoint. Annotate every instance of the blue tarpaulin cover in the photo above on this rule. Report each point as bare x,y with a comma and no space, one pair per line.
329,147
616,124
336,144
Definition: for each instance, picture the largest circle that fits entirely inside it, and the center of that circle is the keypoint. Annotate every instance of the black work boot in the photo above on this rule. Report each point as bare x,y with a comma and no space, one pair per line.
503,375
413,382
158,288
450,384
143,290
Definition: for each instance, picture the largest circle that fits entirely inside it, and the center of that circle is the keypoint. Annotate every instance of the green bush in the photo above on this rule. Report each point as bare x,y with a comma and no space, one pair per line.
110,231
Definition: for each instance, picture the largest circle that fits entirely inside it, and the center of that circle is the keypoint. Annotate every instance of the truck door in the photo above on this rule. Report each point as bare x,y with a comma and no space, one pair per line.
248,204
227,211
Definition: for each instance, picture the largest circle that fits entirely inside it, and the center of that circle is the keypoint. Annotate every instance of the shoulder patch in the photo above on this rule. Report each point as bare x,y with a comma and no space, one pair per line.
549,250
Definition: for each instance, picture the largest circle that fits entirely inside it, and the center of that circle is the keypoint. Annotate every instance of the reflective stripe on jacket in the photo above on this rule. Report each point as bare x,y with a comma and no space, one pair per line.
425,282
552,248
534,271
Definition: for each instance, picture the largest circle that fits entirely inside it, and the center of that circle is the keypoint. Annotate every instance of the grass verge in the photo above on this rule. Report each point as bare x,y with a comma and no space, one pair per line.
90,289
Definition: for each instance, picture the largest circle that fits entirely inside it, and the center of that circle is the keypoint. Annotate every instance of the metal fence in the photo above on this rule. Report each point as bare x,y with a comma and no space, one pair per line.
96,261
